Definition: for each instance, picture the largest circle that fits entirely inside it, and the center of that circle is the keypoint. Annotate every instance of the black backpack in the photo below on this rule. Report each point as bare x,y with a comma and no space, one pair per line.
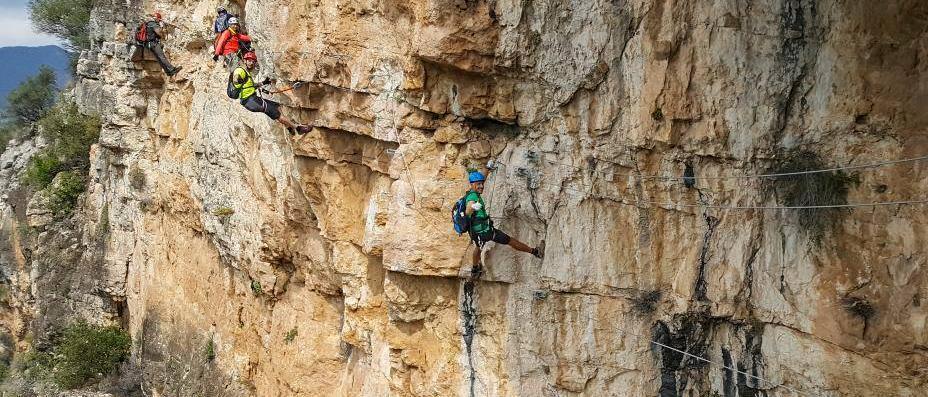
231,90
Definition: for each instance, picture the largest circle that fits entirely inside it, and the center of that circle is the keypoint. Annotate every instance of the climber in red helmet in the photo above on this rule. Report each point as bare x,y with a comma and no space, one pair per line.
250,98
149,36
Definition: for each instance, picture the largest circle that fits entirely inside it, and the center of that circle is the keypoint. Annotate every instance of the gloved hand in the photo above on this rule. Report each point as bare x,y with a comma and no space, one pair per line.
215,58
266,81
491,165
476,206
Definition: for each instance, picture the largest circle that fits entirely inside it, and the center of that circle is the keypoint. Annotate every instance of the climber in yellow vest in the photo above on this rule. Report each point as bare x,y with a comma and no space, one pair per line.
481,226
243,86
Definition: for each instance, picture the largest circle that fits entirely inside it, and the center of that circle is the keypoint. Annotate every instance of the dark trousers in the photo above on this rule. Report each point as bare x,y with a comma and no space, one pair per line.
155,48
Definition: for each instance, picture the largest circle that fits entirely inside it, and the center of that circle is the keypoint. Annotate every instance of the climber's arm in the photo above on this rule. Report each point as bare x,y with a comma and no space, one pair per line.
221,42
159,30
239,78
471,207
266,81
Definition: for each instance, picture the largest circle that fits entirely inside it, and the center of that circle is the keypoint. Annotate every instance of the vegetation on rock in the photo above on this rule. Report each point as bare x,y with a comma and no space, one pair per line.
32,98
84,350
26,105
816,189
290,336
223,212
70,135
79,354
69,20
63,194
210,350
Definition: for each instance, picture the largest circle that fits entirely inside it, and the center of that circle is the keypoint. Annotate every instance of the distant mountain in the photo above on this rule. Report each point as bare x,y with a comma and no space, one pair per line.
20,63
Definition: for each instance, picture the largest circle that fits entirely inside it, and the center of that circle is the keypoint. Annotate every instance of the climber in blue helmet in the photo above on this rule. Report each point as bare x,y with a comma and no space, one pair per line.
481,226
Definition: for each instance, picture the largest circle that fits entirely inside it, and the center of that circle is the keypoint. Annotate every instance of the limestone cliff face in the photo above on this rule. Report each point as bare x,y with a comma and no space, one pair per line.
325,264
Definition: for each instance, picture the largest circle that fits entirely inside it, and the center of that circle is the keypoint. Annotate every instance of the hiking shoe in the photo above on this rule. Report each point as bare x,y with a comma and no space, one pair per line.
476,272
174,71
302,129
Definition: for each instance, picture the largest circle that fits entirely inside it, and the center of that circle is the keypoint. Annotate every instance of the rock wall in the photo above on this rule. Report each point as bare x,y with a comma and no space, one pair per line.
255,263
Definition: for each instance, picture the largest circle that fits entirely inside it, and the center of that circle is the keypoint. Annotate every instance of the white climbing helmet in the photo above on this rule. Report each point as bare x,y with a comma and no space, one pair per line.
233,21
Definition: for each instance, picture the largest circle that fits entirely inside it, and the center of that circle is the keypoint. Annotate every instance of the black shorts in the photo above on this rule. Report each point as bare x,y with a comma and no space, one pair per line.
494,235
255,103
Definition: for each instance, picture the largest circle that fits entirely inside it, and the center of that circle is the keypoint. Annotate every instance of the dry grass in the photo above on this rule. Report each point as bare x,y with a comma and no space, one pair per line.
223,212
646,301
858,306
826,188
136,178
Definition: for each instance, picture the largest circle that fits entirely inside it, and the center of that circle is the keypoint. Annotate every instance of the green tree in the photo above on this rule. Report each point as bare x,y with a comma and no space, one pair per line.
66,19
28,102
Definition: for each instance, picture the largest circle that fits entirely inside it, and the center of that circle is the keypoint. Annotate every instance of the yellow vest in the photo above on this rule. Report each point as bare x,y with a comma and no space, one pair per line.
247,88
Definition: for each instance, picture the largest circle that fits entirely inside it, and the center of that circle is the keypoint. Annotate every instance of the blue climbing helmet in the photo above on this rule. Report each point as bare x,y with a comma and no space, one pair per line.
475,176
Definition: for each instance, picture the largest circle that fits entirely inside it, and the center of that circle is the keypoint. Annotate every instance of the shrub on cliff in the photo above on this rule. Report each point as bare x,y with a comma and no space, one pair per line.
41,170
69,134
63,194
66,19
73,357
83,351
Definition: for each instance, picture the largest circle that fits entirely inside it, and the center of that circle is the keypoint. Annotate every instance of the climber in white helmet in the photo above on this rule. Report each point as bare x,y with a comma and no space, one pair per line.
231,44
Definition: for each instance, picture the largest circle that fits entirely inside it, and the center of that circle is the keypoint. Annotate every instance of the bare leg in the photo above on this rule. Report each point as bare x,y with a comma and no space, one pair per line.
283,120
293,127
476,269
519,246
476,256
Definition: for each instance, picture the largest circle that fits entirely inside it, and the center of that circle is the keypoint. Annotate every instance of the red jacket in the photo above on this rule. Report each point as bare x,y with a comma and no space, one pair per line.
227,43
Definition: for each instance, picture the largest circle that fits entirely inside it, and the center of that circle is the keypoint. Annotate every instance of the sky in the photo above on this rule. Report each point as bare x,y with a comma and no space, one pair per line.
15,27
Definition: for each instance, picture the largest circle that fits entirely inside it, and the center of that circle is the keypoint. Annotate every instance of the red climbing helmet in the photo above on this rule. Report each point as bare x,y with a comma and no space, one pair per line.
157,15
250,55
